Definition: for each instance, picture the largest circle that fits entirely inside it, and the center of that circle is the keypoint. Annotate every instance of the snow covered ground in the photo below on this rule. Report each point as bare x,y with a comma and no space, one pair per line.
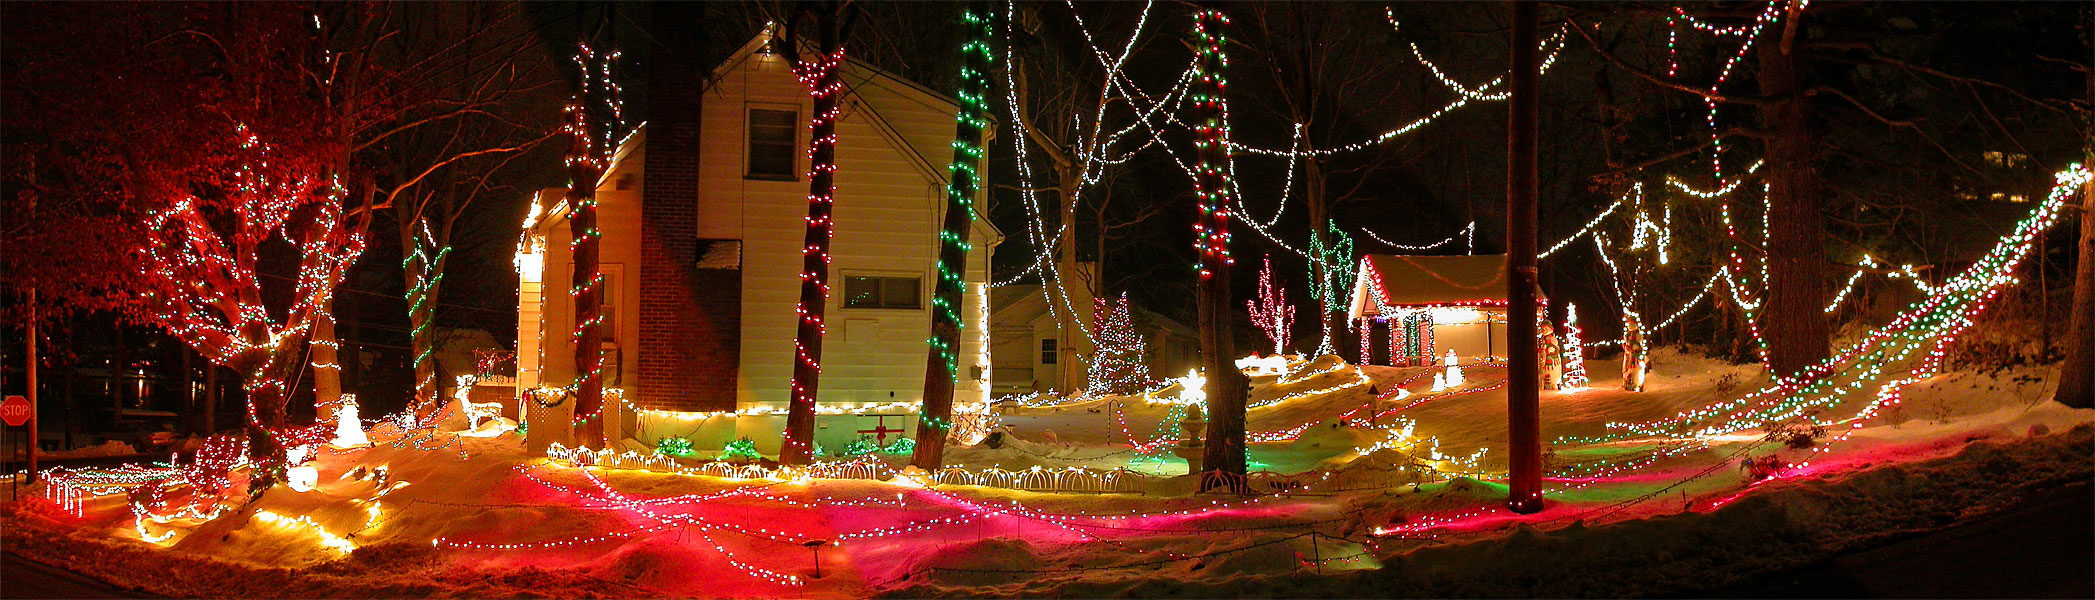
1417,514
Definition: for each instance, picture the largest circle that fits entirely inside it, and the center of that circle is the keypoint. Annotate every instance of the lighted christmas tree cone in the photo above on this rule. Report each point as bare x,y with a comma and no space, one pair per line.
1573,349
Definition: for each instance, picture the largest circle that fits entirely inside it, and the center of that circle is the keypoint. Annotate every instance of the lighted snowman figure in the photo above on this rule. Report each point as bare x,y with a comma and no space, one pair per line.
349,432
1454,372
303,477
1440,381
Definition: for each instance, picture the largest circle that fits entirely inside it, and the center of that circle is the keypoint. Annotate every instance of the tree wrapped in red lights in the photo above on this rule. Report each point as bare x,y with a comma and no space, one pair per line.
1226,389
1271,312
200,259
1118,366
825,81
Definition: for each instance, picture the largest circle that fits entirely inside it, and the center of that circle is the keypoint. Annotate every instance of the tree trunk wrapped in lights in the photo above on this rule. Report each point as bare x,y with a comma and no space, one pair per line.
326,361
825,82
1224,459
425,274
942,364
1574,351
588,156
1627,269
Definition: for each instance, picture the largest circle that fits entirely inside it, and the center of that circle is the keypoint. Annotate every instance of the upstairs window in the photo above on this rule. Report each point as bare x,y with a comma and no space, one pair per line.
867,291
1047,351
772,144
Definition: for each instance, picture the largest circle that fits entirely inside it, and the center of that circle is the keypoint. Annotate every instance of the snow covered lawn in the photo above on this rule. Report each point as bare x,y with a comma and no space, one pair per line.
1417,515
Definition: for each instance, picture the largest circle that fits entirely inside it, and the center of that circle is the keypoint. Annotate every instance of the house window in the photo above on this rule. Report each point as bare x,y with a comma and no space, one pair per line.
1047,351
872,291
607,305
772,147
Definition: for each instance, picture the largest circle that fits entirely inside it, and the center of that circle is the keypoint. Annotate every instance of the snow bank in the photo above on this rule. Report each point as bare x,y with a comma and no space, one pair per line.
108,448
1902,473
1781,526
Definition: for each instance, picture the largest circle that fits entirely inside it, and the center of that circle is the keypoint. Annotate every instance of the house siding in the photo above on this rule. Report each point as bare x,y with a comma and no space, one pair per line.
889,200
894,143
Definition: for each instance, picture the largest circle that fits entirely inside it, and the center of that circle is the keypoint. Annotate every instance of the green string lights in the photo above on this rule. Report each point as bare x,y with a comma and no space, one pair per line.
1334,288
963,182
1876,368
942,368
426,271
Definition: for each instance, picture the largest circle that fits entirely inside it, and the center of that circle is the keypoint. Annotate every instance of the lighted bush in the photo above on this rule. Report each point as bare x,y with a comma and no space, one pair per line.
740,450
673,446
901,446
861,447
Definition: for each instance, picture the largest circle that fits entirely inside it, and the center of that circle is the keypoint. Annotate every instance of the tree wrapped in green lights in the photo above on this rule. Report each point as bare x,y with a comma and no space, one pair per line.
942,365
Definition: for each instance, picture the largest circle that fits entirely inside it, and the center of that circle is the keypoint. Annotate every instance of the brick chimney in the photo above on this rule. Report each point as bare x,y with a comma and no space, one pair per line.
690,318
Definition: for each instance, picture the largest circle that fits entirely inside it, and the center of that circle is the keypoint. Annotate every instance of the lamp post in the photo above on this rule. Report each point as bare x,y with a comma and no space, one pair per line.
816,545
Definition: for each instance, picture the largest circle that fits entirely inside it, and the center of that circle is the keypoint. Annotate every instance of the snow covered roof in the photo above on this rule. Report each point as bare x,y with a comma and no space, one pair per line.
1395,280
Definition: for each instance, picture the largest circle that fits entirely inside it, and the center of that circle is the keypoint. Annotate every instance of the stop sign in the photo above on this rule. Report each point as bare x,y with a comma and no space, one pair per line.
15,411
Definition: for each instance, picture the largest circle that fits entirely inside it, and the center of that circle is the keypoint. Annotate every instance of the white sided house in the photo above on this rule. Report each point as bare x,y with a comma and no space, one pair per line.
1036,353
703,213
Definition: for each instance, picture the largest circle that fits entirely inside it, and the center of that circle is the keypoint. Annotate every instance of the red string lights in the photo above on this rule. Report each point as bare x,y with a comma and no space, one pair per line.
200,261
825,82
1211,179
1271,312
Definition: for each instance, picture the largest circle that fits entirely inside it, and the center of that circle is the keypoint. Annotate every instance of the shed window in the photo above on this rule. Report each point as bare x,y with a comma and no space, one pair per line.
771,143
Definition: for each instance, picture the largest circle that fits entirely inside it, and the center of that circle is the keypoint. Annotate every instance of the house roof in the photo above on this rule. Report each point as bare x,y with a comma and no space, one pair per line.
857,74
1398,280
1023,303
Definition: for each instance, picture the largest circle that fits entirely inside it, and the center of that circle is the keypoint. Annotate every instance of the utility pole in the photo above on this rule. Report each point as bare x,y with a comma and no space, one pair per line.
1523,373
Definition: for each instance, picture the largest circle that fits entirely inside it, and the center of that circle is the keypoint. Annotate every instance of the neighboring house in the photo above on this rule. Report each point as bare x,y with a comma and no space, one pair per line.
1419,307
1035,353
703,213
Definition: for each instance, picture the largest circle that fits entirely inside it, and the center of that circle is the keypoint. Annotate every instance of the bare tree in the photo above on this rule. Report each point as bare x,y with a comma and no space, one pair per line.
1311,57
1071,104
1796,64
465,127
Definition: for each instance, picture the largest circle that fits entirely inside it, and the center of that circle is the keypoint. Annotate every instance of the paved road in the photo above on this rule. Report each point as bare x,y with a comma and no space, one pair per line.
2042,549
24,578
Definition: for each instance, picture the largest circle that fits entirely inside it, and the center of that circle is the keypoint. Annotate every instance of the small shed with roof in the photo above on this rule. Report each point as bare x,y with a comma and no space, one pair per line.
1413,309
